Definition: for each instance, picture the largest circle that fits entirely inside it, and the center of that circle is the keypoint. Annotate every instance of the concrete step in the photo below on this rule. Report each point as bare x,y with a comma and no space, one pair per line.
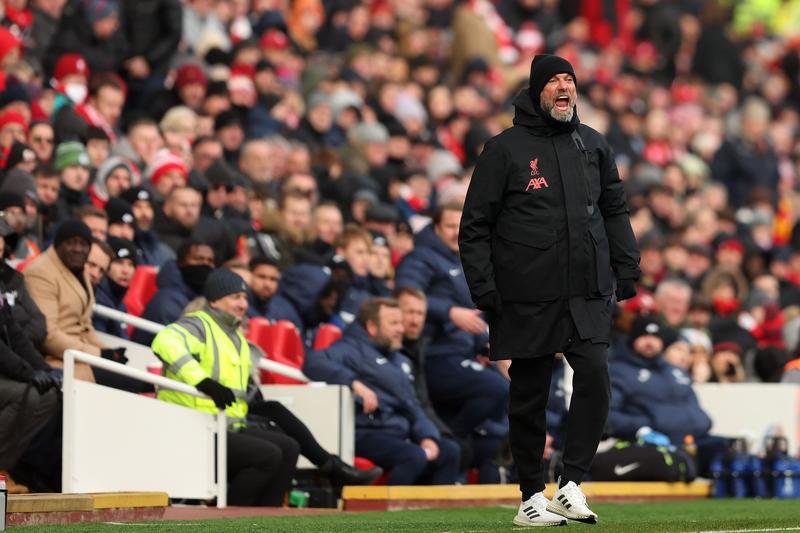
33,509
378,498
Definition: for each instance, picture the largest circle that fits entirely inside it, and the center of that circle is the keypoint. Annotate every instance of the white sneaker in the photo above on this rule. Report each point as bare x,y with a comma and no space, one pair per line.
570,502
533,513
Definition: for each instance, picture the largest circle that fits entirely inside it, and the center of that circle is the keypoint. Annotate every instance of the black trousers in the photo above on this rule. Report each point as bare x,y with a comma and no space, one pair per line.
23,412
530,388
260,466
275,415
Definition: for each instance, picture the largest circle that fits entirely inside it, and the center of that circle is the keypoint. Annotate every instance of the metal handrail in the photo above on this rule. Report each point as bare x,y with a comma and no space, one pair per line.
135,321
154,328
284,370
71,356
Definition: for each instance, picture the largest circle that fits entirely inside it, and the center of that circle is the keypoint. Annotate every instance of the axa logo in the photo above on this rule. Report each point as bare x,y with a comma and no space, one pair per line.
536,181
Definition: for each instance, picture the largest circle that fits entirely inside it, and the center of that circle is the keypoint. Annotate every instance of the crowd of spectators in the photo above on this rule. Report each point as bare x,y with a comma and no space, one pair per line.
306,144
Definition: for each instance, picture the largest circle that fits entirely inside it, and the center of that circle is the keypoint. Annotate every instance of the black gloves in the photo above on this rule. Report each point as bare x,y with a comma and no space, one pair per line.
490,302
222,396
626,288
114,354
44,380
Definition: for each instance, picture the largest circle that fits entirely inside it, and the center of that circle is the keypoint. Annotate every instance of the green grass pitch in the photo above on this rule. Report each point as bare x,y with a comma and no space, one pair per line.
740,516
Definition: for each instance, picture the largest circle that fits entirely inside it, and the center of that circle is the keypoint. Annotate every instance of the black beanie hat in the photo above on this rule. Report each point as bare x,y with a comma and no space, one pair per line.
119,211
20,153
72,228
11,199
222,282
124,249
137,194
544,67
651,325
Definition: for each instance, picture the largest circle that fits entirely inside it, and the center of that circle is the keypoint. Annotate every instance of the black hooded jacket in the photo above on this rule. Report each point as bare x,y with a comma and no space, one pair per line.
546,218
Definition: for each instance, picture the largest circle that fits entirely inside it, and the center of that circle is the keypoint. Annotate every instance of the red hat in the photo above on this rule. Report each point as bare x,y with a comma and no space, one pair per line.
274,40
165,162
731,244
642,303
71,64
242,69
189,73
8,41
13,117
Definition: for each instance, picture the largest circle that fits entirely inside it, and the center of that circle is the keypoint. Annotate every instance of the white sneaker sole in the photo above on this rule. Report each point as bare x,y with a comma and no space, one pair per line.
527,523
557,508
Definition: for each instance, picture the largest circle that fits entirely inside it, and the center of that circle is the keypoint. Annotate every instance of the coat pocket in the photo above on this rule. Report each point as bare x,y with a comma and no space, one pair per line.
600,281
525,261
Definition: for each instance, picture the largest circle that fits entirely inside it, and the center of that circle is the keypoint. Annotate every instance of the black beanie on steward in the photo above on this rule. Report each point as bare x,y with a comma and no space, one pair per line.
544,67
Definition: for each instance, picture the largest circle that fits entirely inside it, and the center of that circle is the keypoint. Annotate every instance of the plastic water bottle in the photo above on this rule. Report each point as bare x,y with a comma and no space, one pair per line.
4,498
719,474
759,486
298,498
740,475
783,477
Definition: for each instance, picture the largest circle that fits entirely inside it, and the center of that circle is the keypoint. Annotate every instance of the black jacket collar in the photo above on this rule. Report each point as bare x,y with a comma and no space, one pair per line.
530,116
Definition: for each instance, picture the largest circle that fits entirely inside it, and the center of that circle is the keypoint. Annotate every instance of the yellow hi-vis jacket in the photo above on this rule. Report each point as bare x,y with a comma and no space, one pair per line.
197,347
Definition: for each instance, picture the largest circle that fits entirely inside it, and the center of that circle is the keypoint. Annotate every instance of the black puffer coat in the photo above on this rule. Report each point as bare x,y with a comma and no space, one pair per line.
546,224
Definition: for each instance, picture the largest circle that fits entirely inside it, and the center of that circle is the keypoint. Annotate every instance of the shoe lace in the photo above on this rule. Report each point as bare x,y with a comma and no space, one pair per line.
574,491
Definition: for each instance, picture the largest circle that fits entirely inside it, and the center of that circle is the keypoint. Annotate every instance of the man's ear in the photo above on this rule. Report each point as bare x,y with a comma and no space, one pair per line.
372,328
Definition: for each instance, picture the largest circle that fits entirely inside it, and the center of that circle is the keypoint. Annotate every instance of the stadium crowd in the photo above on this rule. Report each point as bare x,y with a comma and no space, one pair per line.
321,150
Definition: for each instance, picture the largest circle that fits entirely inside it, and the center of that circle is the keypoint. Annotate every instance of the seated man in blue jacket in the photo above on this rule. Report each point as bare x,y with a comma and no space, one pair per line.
652,400
392,429
179,282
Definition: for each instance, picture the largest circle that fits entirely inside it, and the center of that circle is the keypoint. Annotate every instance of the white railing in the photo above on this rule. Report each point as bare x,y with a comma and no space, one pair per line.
115,440
154,328
135,321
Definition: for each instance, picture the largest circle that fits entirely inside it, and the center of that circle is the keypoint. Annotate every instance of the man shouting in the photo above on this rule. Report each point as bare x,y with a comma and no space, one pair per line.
544,238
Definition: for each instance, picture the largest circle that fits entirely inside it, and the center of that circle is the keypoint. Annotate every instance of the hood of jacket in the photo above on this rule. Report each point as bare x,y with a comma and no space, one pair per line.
169,277
529,115
302,286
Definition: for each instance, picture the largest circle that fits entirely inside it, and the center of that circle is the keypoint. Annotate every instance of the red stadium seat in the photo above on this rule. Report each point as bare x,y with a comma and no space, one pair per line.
142,288
282,343
258,331
327,334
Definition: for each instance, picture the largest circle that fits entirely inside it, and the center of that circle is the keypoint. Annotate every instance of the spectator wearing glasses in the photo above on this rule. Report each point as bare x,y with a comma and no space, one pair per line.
41,139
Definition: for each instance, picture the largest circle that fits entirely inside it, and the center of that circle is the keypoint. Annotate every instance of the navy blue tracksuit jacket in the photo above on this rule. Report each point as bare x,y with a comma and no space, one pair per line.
436,270
653,393
355,356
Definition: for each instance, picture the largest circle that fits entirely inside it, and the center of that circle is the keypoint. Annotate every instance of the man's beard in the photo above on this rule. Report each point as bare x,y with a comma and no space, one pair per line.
561,116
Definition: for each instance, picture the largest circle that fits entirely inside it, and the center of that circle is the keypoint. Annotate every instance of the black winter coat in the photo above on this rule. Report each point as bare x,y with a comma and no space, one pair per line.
206,230
153,28
75,34
546,225
18,357
23,310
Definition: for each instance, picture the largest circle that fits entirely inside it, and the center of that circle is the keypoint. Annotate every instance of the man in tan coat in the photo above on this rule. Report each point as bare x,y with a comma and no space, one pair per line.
58,284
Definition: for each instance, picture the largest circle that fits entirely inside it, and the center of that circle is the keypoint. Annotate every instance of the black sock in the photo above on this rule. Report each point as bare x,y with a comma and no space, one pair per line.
526,494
